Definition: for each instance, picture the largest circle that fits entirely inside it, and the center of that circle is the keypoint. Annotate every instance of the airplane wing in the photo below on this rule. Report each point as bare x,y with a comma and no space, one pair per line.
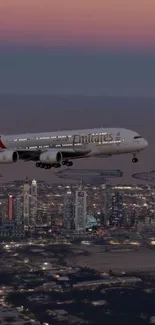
68,153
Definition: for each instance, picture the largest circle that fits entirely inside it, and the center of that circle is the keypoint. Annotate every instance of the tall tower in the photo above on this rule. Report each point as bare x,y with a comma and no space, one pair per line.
33,205
18,210
26,206
107,204
10,207
80,209
117,209
68,211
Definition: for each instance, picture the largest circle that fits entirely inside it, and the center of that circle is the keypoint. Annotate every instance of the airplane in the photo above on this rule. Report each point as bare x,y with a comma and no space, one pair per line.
54,149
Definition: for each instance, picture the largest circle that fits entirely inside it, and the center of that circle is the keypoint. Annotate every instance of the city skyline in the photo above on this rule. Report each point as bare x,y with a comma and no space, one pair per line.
73,207
89,266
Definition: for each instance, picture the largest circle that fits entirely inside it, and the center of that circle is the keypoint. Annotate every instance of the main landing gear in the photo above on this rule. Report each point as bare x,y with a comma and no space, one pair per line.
134,159
49,166
67,163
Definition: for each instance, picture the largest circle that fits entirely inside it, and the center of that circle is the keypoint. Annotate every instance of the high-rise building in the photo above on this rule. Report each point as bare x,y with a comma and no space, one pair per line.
106,204
116,217
80,209
153,207
10,207
26,207
18,210
33,205
68,210
4,208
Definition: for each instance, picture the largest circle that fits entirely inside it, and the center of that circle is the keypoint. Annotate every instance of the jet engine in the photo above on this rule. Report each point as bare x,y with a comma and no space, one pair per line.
51,157
8,156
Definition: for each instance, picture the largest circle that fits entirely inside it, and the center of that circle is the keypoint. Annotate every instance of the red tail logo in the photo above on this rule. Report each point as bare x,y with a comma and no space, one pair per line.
2,146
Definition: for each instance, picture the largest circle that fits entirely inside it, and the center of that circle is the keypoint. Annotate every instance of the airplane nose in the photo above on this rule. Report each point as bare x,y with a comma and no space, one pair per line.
145,144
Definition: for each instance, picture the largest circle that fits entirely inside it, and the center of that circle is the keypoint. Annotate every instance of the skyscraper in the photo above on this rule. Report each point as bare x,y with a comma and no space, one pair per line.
80,209
26,215
10,207
33,205
117,209
106,205
68,211
18,210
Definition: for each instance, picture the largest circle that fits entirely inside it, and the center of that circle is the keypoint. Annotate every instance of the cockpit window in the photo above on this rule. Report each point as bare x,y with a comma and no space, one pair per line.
137,137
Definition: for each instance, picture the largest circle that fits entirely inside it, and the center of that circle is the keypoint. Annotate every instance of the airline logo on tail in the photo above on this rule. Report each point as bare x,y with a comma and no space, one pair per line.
2,146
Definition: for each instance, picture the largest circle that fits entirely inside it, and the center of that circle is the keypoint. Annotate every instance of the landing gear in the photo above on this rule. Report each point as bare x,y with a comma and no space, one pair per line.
40,165
67,163
47,166
56,165
134,159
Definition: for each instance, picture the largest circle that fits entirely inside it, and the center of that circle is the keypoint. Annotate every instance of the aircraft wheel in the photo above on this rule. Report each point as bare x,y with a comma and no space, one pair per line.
69,163
134,160
57,165
38,165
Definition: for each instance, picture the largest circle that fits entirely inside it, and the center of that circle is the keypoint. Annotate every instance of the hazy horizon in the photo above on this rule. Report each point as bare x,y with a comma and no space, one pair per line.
76,71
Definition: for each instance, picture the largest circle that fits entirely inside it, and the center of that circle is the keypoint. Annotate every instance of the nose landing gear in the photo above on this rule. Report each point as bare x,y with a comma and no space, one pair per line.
134,159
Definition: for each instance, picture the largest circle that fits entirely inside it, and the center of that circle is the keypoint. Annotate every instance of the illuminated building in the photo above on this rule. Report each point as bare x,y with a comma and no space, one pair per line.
68,210
26,215
13,226
10,207
18,210
4,208
8,228
33,205
116,210
80,209
106,204
91,222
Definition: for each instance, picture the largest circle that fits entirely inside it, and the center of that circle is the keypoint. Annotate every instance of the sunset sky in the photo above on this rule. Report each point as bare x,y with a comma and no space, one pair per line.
66,46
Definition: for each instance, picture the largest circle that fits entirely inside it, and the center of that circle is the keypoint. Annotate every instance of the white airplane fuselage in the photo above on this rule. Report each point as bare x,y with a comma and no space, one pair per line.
76,143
